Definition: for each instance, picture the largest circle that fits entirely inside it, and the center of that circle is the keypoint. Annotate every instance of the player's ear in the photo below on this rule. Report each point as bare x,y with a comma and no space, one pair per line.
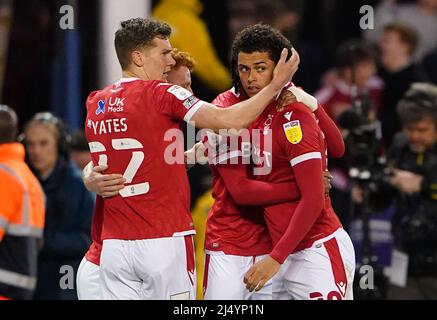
137,58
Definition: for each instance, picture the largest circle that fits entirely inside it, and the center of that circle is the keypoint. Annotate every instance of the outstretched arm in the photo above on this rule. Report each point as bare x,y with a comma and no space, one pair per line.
246,191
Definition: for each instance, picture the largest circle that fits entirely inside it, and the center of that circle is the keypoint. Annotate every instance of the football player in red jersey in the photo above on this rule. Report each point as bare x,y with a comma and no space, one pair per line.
127,126
88,276
316,253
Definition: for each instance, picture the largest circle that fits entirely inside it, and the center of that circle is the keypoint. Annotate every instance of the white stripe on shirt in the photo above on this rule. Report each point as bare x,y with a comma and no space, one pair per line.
193,110
305,157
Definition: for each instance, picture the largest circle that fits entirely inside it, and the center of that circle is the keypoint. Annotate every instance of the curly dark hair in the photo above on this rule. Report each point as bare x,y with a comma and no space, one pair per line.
261,38
135,34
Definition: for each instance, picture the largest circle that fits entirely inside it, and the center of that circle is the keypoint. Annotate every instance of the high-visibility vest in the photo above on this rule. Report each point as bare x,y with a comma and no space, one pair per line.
21,223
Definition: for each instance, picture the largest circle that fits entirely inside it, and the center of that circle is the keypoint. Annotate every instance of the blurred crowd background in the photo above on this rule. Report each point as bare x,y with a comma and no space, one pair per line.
359,75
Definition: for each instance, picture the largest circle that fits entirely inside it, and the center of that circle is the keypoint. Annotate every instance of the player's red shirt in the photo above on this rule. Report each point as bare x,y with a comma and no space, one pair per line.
127,127
93,253
292,144
230,228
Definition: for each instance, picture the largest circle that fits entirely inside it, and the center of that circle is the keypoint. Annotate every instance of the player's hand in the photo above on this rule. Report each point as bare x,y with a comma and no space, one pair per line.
285,98
196,155
406,181
201,153
327,181
105,185
304,97
260,273
285,70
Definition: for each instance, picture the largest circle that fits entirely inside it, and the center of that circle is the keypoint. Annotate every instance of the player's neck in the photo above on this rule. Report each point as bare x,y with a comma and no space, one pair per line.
129,74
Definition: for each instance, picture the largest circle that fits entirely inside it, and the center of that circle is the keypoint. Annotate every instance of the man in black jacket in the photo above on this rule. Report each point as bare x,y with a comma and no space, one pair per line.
414,158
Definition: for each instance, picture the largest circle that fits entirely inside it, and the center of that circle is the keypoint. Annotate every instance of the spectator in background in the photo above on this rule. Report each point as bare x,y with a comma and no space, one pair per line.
430,66
69,205
414,157
184,18
354,76
398,71
21,214
180,74
421,16
346,88
80,152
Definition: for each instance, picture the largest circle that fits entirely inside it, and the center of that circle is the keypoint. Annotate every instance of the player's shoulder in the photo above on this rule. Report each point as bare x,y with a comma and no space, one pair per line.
294,110
227,98
168,89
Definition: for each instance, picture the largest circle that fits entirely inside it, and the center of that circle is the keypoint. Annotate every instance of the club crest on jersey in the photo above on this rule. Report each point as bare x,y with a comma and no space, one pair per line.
293,131
179,92
101,107
267,124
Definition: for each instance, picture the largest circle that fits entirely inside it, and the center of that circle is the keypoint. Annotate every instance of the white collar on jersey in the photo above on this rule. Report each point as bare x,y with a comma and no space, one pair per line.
123,80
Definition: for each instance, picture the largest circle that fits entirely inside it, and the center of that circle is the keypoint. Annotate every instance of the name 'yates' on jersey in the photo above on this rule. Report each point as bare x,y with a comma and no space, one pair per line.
108,126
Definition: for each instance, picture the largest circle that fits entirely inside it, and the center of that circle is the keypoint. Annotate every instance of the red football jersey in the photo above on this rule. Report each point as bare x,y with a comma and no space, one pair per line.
230,228
133,127
291,145
93,253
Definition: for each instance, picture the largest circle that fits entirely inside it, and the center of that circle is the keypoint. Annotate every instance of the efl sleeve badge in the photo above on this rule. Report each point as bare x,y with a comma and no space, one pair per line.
293,131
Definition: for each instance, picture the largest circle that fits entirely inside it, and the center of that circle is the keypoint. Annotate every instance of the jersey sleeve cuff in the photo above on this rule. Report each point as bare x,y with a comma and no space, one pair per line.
278,257
189,115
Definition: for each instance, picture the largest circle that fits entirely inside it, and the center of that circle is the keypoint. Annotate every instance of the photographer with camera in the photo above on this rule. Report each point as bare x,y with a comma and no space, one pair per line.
413,157
351,88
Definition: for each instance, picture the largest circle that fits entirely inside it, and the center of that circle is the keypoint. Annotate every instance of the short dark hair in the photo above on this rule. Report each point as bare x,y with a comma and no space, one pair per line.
352,52
137,33
8,124
419,102
407,34
261,38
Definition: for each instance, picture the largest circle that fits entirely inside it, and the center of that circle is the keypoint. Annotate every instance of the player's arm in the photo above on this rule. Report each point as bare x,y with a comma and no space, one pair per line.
240,115
245,191
334,139
308,170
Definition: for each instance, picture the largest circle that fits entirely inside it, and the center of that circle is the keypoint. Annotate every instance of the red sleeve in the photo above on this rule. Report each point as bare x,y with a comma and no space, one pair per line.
333,136
301,139
176,102
245,191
